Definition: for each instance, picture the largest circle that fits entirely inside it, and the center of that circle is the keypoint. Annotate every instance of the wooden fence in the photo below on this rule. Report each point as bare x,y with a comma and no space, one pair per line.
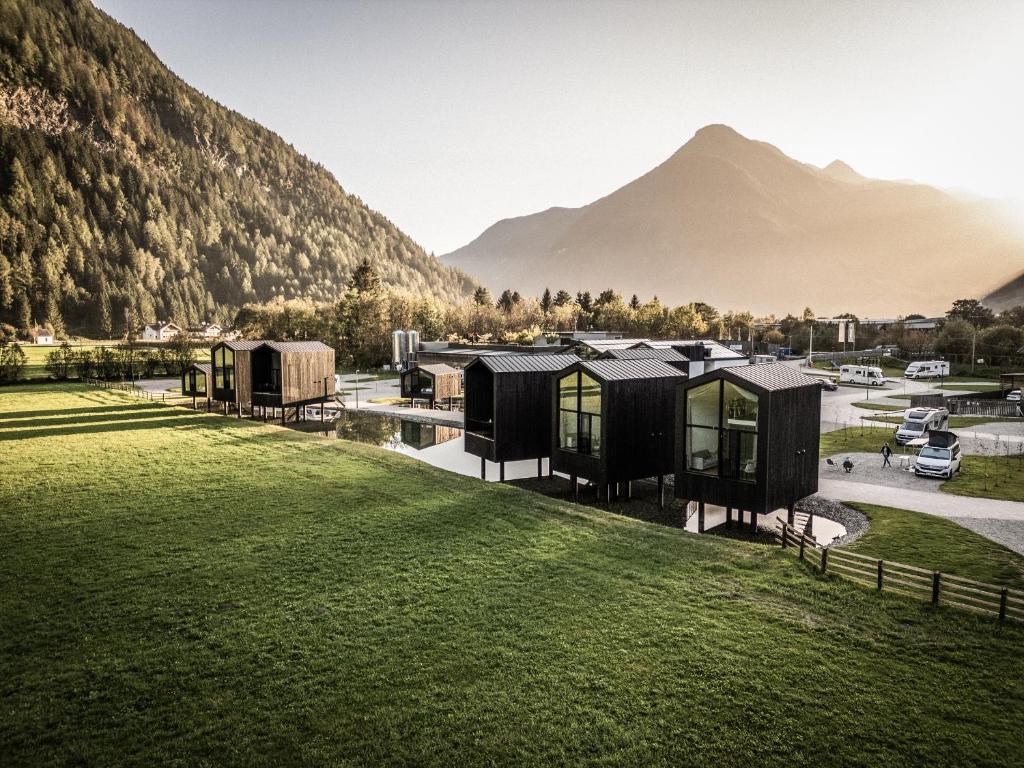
906,580
127,386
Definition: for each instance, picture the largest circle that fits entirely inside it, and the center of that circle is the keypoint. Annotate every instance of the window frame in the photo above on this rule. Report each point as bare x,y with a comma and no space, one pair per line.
584,436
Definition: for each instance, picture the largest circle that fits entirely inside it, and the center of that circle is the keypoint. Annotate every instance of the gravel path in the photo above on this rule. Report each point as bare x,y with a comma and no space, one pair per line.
867,468
1009,533
855,523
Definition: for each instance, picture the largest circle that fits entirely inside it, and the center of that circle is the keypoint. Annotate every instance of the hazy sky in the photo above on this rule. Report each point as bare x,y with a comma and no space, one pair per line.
447,116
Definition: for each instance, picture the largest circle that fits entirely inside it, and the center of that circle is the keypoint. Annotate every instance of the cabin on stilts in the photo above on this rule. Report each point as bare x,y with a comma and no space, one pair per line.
291,374
232,373
279,375
195,383
434,383
612,423
508,408
747,440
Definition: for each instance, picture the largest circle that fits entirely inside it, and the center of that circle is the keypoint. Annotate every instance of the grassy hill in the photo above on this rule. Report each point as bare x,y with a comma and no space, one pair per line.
127,195
185,589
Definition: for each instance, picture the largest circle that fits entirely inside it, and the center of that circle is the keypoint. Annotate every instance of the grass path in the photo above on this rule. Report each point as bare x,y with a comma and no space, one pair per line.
184,589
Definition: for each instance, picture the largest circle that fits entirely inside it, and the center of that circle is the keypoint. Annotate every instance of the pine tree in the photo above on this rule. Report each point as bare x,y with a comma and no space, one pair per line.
545,301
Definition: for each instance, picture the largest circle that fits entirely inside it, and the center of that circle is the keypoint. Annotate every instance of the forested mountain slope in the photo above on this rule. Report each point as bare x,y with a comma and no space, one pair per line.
127,196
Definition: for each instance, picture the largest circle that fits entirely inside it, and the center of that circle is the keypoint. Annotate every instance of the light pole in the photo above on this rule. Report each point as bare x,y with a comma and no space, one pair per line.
357,389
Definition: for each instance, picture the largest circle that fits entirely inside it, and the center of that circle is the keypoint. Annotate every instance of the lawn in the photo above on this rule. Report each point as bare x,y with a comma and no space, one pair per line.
937,544
867,404
854,440
185,589
991,477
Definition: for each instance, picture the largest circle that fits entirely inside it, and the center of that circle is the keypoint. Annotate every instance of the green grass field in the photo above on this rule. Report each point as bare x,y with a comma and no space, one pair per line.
854,440
935,543
183,589
873,406
993,477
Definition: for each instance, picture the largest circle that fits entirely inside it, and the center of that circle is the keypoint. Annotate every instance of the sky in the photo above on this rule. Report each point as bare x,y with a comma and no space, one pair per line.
448,116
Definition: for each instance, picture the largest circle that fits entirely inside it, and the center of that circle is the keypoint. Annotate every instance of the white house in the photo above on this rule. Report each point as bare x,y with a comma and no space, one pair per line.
164,331
40,335
206,330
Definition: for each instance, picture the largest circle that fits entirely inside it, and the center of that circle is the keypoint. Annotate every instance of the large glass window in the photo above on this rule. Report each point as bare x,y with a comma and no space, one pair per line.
721,430
579,415
223,368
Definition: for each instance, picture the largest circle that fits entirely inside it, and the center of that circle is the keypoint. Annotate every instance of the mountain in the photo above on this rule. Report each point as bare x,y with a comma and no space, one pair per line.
127,195
737,223
1006,296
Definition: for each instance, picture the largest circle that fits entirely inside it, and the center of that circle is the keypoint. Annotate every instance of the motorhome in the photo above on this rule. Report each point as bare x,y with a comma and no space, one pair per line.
862,374
927,369
919,422
940,457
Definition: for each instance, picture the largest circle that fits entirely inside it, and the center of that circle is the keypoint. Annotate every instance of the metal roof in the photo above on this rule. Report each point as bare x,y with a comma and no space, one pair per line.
240,345
528,363
601,345
204,367
772,376
624,370
298,346
646,353
718,351
437,369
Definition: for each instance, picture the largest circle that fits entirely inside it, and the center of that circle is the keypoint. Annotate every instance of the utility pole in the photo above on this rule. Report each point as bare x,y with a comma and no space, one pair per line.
974,342
810,346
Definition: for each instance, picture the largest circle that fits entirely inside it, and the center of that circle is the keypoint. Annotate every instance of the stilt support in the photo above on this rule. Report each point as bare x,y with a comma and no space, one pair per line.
728,517
661,491
791,513
700,517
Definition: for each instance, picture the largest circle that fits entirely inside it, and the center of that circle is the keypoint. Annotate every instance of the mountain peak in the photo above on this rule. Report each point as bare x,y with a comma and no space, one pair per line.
837,169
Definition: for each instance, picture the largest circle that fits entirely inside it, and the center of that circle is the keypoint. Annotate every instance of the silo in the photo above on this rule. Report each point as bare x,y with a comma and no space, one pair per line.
398,349
412,340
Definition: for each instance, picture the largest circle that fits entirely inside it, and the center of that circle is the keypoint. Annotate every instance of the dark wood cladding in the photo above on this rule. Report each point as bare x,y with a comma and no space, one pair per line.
193,374
242,392
788,431
508,412
637,418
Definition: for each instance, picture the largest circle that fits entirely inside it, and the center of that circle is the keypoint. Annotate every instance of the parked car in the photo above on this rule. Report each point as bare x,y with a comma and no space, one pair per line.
940,457
828,385
1014,396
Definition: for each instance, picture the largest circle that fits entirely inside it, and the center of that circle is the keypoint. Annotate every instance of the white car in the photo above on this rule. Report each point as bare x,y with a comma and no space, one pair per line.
1013,396
940,458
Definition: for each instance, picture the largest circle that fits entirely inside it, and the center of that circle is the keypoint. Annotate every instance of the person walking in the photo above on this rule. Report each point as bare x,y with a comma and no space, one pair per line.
886,453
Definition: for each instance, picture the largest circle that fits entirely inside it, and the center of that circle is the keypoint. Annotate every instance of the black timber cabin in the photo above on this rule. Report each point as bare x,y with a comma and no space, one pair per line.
747,439
195,382
613,421
508,407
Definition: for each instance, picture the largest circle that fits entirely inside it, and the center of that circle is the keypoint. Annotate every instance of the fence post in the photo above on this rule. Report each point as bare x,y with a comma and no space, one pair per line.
802,540
1002,603
936,584
824,560
784,534
879,575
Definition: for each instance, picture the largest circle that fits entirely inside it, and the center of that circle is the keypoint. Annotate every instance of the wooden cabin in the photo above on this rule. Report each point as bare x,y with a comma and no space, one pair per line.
271,374
432,382
232,373
289,374
508,407
195,382
747,439
612,421
668,355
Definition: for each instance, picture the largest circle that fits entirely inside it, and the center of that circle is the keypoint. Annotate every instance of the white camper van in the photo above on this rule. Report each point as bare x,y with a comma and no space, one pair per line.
862,374
927,369
940,457
919,422
762,359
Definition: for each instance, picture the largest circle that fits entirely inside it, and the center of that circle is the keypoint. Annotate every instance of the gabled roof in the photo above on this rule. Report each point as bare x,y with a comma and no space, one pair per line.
716,350
771,377
240,345
296,346
626,370
436,369
669,355
204,367
526,363
601,345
